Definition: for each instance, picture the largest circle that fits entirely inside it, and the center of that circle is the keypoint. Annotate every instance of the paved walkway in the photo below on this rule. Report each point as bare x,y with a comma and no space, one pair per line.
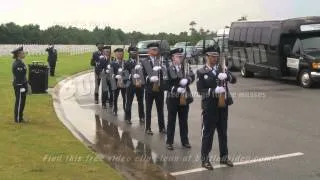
271,135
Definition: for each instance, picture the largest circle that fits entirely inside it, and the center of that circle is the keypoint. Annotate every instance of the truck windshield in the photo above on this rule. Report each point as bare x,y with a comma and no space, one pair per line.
181,44
142,45
225,43
311,43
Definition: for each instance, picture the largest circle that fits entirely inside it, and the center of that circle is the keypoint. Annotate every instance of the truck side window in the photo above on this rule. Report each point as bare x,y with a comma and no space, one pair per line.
266,36
237,35
257,36
231,37
297,47
250,35
243,34
274,39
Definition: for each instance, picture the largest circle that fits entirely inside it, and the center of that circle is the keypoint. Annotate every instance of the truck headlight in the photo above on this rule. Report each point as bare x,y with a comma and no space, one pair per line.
316,65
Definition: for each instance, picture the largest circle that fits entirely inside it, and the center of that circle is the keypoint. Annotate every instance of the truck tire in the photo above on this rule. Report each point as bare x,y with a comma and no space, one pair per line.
304,79
245,72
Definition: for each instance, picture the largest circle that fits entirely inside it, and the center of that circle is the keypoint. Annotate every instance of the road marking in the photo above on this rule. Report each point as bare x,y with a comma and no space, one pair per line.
265,159
84,105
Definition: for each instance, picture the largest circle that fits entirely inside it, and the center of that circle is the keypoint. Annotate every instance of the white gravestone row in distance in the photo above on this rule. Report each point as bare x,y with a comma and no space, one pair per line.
37,49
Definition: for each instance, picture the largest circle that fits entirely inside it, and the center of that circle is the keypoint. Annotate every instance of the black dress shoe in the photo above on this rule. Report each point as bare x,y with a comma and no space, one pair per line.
163,131
96,101
128,121
188,146
170,147
149,132
207,165
227,162
142,120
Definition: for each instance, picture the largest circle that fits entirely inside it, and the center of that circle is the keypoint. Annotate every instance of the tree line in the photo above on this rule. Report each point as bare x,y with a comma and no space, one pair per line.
11,33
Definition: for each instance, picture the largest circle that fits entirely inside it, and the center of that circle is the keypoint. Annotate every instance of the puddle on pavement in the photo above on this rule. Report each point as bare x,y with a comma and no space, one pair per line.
133,158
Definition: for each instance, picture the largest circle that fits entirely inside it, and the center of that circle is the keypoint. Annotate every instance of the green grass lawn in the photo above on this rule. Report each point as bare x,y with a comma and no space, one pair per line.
27,151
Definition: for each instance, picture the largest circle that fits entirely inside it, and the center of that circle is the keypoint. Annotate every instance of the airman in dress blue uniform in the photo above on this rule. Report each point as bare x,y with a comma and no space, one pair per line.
95,61
213,116
118,80
52,58
155,72
179,79
135,86
20,83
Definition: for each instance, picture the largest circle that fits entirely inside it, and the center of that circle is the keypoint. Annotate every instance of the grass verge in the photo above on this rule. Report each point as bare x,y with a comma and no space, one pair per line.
43,148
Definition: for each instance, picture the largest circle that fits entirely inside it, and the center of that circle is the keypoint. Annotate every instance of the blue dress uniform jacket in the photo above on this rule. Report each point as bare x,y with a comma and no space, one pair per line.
172,84
95,57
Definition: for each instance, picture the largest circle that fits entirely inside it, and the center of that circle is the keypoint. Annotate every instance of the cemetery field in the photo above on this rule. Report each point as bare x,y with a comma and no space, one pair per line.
43,148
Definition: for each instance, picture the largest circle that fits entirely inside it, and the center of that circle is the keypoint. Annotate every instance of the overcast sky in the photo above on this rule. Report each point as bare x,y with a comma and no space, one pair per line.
150,16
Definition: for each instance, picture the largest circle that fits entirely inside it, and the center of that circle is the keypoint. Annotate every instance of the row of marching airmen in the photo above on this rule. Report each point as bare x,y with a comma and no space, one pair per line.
148,78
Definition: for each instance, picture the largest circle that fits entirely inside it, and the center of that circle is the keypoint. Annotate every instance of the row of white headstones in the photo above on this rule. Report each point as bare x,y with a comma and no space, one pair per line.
38,49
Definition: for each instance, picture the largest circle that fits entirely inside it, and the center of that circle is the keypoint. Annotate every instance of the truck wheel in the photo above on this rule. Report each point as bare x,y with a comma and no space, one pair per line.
245,72
305,79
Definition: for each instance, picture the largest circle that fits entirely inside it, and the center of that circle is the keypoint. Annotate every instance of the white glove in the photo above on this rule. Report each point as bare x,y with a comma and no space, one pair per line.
107,71
136,76
118,76
137,67
181,90
219,90
109,67
120,70
154,78
156,68
22,90
222,76
101,57
183,82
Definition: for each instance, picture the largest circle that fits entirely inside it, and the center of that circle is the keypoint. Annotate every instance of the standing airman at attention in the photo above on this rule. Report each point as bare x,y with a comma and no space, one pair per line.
179,96
155,86
135,86
95,61
118,80
214,116
20,83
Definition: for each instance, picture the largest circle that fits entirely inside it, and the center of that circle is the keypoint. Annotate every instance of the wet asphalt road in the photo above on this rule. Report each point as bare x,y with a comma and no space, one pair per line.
268,118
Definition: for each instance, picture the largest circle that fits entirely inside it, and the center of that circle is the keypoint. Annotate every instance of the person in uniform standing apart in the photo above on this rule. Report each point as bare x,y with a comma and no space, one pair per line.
213,116
119,79
20,83
95,60
52,58
135,86
154,88
178,98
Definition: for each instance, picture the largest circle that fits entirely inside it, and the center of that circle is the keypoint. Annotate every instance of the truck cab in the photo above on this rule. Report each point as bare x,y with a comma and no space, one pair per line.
303,59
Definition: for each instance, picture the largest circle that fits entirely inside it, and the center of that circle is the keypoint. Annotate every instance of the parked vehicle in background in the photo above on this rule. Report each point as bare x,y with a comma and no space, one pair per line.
199,49
164,49
279,49
182,44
